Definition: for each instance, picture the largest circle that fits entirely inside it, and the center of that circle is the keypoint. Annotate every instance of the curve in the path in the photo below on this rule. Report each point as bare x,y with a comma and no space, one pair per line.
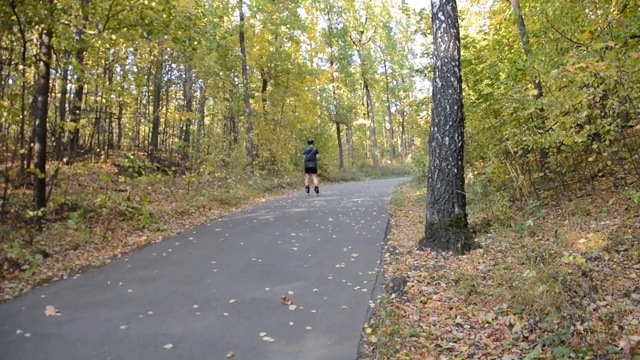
217,289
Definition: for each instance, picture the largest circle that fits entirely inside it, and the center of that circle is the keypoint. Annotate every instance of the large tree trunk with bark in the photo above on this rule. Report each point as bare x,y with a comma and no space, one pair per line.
42,108
446,225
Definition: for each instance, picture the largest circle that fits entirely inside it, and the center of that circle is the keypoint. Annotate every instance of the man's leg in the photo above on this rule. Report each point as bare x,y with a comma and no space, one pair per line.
306,182
315,184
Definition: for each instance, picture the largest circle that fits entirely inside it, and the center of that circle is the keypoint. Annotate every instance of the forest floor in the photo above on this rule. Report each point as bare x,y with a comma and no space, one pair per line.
555,279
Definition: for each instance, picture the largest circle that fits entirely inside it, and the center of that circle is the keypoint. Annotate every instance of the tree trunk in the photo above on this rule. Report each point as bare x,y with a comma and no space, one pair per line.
188,98
199,127
109,143
42,108
537,84
231,133
402,147
119,122
23,102
335,108
390,122
350,143
157,95
62,110
374,137
245,85
33,113
164,144
446,225
340,151
263,94
96,131
76,104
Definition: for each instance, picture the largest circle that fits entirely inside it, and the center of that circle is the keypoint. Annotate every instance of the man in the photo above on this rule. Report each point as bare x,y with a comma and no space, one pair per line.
311,156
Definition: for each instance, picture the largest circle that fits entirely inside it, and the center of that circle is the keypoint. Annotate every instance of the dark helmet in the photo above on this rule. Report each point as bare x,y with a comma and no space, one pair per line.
310,141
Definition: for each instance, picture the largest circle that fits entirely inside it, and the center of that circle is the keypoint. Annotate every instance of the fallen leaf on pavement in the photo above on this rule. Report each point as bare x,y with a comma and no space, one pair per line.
51,311
168,346
230,354
286,300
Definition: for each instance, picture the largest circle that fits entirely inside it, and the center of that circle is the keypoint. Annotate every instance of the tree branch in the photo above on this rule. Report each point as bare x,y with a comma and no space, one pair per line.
560,33
86,31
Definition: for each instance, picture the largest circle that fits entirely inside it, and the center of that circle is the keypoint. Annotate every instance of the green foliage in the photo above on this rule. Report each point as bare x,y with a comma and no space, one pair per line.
588,75
632,195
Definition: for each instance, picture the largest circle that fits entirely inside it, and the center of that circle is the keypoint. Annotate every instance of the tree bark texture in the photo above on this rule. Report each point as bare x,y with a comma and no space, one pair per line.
446,226
42,108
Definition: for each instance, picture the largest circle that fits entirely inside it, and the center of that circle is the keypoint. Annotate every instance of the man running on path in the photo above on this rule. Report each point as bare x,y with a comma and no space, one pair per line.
311,156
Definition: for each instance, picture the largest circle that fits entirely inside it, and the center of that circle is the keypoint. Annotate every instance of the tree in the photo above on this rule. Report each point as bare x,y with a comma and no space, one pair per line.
157,94
245,85
42,108
446,226
76,105
537,84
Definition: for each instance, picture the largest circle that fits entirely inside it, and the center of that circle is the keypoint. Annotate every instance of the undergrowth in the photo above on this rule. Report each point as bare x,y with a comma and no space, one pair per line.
558,279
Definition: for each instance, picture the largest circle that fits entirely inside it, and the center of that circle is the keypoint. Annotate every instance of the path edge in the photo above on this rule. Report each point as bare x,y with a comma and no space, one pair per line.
378,289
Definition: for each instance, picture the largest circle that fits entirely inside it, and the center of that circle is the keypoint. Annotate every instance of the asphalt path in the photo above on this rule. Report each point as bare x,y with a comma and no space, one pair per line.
215,291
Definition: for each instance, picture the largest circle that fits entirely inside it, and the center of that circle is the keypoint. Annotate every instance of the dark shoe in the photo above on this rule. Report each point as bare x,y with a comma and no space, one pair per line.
317,190
307,189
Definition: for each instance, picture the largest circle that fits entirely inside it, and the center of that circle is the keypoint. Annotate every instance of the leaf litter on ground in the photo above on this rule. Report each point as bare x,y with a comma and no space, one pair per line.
562,288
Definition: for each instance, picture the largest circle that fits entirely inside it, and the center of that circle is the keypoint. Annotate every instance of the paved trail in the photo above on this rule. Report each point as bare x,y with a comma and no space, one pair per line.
216,289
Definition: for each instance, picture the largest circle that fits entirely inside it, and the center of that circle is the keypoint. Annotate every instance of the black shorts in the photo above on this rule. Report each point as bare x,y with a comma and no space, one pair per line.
311,170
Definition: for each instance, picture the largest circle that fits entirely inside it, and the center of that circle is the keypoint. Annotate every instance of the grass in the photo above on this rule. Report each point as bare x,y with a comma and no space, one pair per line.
364,172
558,280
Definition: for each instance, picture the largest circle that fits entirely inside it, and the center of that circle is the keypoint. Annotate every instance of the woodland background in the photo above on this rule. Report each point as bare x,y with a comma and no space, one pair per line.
124,121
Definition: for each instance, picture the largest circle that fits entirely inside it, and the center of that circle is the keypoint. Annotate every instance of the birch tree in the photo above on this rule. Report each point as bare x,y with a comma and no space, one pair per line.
446,226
